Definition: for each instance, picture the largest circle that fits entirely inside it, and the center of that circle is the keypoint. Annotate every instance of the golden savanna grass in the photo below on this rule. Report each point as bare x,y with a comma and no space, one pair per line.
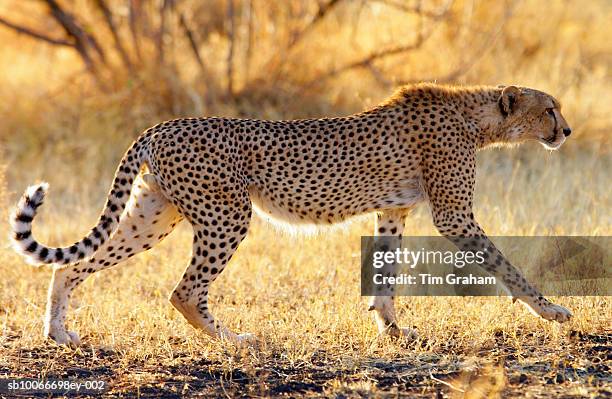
300,295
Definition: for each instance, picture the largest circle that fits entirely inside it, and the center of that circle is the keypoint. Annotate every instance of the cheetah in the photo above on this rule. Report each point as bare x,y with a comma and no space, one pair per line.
417,146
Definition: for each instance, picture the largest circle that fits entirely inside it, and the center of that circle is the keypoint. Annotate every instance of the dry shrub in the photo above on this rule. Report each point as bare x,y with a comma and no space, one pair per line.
312,58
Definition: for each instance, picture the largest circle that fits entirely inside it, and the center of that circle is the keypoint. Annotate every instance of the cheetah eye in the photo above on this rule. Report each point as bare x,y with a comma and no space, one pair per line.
550,111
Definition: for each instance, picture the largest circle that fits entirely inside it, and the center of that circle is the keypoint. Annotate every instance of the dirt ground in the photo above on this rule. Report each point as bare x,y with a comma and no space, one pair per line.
580,368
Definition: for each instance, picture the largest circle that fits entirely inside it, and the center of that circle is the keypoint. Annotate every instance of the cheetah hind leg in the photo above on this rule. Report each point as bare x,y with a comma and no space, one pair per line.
390,223
213,246
148,219
386,321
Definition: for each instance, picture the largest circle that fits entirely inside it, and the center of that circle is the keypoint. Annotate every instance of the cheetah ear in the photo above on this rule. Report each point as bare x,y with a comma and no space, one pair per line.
508,98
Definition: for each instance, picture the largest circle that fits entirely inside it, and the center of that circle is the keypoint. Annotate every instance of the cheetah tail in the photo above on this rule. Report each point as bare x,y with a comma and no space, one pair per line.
38,254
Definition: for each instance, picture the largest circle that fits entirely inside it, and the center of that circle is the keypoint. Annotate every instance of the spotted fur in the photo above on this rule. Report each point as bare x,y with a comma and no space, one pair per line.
418,146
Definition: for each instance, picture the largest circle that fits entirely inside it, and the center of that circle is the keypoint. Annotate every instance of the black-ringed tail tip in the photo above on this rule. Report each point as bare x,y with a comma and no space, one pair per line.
36,253
21,223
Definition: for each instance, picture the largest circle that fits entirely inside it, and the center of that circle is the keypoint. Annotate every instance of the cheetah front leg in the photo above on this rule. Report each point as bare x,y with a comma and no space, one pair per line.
505,273
149,217
389,223
450,198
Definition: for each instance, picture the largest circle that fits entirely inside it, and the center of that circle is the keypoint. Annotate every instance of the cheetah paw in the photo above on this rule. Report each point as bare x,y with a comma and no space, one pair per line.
407,334
246,339
240,340
546,309
402,333
67,338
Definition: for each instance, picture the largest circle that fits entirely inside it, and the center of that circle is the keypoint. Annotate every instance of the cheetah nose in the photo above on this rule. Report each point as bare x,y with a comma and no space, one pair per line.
567,131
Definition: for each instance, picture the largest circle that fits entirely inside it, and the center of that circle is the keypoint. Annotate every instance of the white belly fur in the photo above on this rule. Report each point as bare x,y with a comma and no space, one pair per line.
409,196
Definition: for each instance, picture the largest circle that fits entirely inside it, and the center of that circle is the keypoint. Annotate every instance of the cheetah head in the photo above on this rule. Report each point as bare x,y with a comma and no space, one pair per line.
533,115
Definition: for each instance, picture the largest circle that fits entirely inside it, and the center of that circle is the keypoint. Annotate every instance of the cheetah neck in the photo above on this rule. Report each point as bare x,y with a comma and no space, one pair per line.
481,111
477,105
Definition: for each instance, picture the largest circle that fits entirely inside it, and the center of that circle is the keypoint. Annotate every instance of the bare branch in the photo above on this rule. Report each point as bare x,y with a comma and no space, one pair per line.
110,22
464,67
249,50
418,9
368,60
192,42
316,19
230,52
135,8
379,76
83,41
34,34
277,62
162,30
72,28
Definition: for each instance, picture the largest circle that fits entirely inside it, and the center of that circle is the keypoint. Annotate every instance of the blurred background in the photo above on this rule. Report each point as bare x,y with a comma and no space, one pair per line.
80,79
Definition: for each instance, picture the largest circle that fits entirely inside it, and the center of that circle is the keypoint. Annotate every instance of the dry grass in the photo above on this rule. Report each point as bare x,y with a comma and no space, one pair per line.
300,295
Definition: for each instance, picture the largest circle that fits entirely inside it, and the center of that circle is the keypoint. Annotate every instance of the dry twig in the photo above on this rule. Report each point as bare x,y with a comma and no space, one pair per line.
316,19
230,52
110,23
34,34
192,41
